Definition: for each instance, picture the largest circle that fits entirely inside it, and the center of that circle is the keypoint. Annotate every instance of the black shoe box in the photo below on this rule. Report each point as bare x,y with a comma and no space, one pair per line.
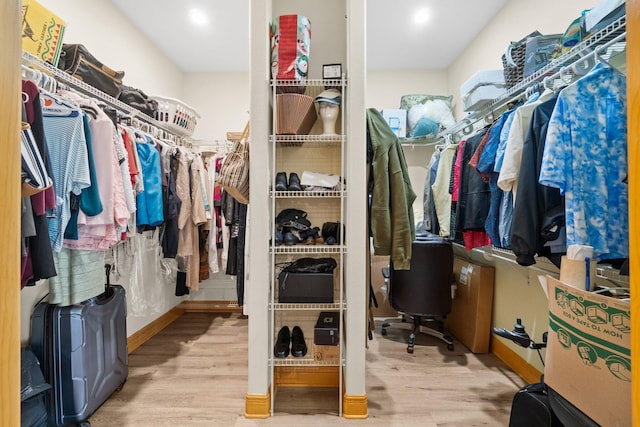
326,331
309,288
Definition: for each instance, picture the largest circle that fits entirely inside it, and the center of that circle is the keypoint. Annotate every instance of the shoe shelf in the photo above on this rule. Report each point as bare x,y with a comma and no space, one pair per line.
309,249
307,360
307,194
309,140
296,154
307,307
309,82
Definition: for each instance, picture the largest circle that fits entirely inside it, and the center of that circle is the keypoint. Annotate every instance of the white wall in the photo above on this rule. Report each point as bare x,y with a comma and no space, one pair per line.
385,88
221,99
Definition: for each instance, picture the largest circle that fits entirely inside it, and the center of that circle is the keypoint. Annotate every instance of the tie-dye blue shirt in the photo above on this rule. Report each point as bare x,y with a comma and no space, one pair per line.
585,156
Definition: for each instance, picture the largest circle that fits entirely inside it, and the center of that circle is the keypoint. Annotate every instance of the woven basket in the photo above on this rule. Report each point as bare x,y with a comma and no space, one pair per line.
513,60
296,114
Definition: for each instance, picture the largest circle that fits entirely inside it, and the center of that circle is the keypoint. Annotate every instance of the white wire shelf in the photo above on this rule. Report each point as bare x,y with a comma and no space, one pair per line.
577,53
307,194
308,249
307,307
604,271
309,82
302,361
309,140
62,76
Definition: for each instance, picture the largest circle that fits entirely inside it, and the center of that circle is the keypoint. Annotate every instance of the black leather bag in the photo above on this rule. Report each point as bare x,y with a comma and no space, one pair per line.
311,265
139,100
76,60
332,229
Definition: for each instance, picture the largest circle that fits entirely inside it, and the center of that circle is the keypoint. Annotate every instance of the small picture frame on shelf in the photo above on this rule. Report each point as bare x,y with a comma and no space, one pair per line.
332,72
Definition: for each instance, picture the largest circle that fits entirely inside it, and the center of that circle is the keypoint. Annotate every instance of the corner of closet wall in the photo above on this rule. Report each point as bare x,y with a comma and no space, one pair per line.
513,22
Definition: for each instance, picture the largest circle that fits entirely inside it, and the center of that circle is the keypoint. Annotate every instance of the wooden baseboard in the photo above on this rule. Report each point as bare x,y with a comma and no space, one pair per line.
144,334
257,405
514,361
354,406
210,307
306,376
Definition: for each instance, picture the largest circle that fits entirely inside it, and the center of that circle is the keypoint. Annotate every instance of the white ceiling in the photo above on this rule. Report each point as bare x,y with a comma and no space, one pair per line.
394,41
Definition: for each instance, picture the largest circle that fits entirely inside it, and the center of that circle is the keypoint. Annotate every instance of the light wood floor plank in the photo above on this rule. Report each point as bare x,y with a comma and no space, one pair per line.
194,373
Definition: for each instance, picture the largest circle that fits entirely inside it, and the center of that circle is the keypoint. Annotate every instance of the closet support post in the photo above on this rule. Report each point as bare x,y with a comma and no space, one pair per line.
10,211
633,129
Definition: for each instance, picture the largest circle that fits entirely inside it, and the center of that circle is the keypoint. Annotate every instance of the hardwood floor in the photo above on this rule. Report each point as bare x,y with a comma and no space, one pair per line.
194,373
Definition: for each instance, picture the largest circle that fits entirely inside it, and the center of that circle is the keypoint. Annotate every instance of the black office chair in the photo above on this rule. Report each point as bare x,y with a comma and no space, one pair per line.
423,293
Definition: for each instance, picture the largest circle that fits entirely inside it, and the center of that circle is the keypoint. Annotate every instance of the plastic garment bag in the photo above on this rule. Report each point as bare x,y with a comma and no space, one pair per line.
145,274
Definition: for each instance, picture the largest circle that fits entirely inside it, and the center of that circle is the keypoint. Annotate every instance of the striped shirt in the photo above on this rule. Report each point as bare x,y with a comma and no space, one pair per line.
69,169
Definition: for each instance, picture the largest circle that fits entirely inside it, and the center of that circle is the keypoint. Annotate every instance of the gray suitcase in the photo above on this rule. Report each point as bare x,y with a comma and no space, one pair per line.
83,352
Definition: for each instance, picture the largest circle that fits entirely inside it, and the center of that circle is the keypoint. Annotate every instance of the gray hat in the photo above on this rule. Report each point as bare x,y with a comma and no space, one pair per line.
330,95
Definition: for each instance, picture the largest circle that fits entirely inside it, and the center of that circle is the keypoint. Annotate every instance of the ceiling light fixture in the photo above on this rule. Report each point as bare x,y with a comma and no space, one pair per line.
198,17
422,16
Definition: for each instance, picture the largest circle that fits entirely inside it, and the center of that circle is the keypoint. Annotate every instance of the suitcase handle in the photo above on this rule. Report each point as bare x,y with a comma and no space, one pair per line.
105,297
107,270
108,293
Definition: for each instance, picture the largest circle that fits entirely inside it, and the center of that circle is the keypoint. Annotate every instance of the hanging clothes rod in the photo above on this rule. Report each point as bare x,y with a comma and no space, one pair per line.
60,75
595,53
576,53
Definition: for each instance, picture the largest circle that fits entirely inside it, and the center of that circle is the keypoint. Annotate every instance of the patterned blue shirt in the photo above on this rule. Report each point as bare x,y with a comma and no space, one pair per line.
585,156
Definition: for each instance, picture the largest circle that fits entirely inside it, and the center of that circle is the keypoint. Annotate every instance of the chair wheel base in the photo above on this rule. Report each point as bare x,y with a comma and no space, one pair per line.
412,341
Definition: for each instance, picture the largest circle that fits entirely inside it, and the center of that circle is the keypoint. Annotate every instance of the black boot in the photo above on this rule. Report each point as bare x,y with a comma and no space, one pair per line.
281,181
294,182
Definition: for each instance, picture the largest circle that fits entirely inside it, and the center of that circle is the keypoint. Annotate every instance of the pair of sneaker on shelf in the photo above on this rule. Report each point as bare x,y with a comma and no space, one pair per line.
293,184
309,236
290,341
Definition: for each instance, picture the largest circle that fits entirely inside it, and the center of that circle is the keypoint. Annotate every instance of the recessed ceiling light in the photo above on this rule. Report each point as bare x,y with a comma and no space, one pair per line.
198,17
422,16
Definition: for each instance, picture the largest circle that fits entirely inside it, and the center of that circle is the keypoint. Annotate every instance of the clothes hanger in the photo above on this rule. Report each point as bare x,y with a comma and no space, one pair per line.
54,106
31,74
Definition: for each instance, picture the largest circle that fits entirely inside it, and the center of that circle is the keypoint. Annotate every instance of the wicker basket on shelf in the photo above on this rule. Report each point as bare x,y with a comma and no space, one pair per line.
296,114
513,60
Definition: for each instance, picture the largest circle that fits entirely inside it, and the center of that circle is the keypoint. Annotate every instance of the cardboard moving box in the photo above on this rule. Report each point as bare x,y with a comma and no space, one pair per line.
470,317
588,358
384,308
326,353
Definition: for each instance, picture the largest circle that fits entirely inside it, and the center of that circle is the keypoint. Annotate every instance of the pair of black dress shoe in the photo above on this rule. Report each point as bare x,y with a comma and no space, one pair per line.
293,340
292,185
